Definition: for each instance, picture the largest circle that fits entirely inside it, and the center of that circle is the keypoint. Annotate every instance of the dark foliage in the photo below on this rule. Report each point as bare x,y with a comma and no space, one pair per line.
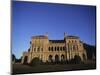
13,57
91,50
77,59
36,61
18,60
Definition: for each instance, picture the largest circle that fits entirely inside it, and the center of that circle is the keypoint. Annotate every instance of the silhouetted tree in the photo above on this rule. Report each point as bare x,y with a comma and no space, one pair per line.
36,61
72,61
13,58
90,50
77,59
19,60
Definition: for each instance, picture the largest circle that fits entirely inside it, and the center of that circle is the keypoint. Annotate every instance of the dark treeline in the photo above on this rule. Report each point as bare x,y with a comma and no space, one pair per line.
91,51
16,59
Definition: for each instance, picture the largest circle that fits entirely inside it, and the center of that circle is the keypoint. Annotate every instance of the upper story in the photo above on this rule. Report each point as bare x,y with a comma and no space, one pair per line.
41,43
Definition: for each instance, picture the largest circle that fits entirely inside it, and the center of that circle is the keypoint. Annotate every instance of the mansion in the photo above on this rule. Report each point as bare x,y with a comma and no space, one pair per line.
54,50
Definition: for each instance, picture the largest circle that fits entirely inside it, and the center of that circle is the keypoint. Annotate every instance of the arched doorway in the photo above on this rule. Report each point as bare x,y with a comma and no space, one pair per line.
50,58
56,58
77,59
62,57
25,59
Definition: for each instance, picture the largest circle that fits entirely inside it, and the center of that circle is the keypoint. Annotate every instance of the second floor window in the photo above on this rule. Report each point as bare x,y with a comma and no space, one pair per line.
38,49
61,48
57,48
49,49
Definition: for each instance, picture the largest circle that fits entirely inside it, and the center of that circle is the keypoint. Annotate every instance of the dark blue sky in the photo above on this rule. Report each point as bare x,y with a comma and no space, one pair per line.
31,18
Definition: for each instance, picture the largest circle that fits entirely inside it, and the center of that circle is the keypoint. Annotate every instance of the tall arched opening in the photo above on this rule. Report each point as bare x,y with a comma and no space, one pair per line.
56,58
50,58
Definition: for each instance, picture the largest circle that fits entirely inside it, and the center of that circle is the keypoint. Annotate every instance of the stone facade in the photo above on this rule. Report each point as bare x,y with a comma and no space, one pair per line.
54,50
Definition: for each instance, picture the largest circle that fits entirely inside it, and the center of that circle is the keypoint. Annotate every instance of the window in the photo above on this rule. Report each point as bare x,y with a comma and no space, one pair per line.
49,49
72,41
38,49
57,48
75,41
56,58
50,58
62,57
52,48
61,48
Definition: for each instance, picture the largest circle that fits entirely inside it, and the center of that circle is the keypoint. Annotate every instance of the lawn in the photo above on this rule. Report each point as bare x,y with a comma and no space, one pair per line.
22,69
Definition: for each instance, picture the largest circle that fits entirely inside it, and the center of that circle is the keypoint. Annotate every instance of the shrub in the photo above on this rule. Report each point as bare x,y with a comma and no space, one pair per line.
77,59
36,61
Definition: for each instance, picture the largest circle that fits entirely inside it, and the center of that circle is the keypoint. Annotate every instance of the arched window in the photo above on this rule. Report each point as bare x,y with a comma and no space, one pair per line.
61,48
56,58
62,57
38,49
52,48
57,48
49,48
50,58
72,41
75,41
